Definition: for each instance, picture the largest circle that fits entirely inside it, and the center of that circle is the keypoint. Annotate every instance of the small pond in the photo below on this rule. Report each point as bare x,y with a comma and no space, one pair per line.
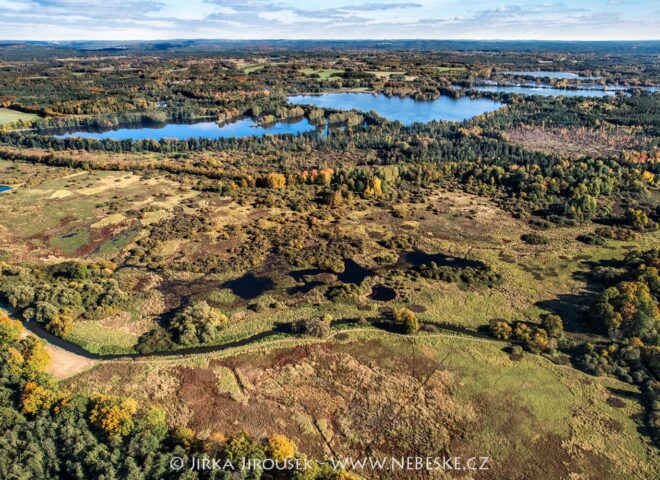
406,110
4,188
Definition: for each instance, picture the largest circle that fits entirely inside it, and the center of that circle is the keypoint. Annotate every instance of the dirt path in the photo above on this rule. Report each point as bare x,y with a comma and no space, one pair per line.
63,363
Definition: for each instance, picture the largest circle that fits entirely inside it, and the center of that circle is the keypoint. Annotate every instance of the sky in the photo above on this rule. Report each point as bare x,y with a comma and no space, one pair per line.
337,19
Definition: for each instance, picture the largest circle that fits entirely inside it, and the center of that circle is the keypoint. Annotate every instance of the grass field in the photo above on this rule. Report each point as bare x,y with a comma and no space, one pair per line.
426,395
11,116
324,73
450,69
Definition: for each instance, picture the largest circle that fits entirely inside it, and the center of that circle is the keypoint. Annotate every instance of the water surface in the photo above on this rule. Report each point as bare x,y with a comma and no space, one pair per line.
549,74
4,188
244,127
546,91
406,110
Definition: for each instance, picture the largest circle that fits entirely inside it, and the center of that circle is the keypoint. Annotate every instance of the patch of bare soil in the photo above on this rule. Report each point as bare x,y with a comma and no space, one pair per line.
64,364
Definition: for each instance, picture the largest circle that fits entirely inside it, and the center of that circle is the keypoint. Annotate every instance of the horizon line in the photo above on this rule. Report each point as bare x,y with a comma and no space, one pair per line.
360,39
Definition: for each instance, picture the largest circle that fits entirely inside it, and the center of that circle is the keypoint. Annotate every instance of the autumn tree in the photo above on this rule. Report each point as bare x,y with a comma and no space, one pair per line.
36,398
628,310
406,319
553,325
274,180
280,447
113,415
197,323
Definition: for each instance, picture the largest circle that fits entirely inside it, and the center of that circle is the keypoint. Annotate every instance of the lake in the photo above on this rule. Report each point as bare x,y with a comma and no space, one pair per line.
547,91
4,188
406,110
549,74
244,127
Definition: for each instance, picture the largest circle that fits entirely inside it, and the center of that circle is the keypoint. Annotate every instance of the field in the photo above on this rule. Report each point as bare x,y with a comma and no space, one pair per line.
426,395
323,73
11,116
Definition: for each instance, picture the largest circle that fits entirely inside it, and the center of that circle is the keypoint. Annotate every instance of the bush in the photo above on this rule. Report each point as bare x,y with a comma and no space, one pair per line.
197,323
344,292
500,329
315,327
553,325
534,239
592,239
406,319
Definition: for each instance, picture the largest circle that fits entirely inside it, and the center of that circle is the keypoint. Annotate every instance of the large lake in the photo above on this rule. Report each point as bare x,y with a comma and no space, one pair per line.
406,110
547,91
244,127
549,74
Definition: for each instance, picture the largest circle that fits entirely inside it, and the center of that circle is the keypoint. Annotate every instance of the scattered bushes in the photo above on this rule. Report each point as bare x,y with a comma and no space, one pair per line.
468,275
534,338
58,295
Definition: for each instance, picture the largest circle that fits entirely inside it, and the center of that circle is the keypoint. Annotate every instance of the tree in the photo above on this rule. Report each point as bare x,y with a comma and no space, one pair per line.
500,329
113,415
197,323
280,447
553,325
274,180
36,398
628,310
34,353
10,330
406,319
637,219
61,324
374,188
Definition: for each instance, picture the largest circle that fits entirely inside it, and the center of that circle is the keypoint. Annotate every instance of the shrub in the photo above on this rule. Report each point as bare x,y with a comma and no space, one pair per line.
500,329
315,327
197,323
534,239
592,239
406,319
344,292
280,447
553,325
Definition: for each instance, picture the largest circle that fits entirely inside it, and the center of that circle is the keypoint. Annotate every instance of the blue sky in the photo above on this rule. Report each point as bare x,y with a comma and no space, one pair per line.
340,19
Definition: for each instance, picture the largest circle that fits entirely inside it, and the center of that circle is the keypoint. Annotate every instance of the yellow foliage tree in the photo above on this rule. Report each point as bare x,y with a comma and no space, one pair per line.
10,330
35,354
374,188
280,447
275,180
35,398
113,415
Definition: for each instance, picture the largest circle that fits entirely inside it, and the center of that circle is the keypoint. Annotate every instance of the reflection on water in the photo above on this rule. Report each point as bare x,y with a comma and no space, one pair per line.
406,110
244,127
546,91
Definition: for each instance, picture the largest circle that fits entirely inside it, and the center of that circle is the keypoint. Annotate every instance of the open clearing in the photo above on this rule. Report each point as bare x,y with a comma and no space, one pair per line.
11,116
391,395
